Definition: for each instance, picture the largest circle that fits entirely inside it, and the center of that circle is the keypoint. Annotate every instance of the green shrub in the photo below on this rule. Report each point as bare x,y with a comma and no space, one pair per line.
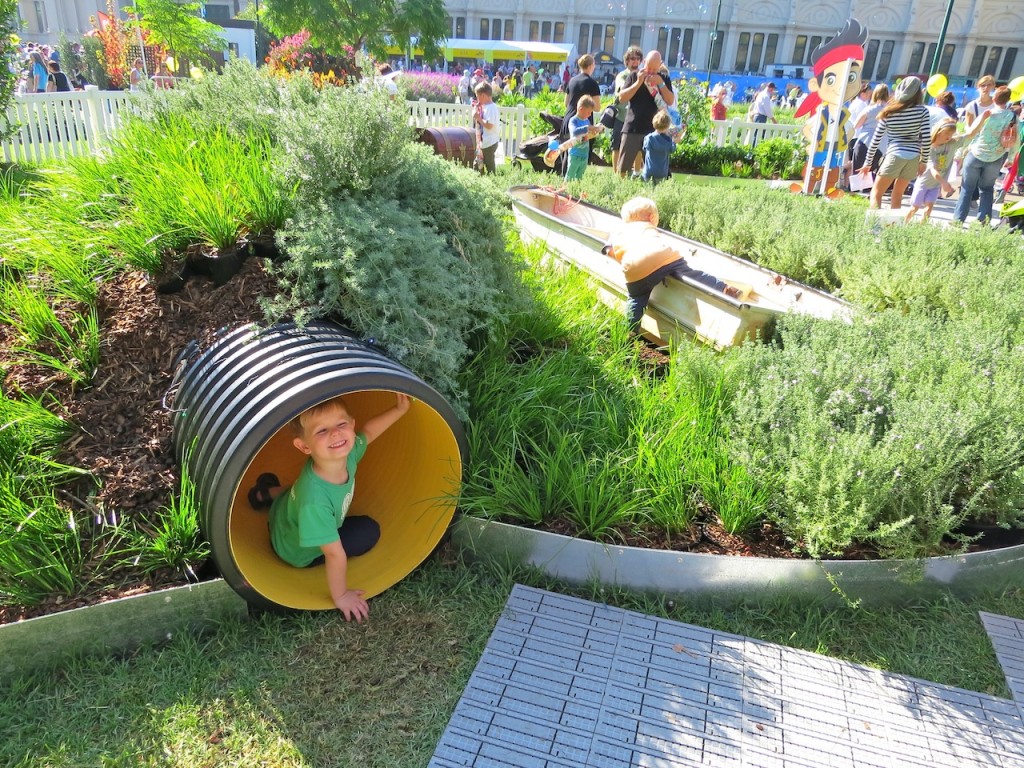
342,143
881,432
694,108
707,159
417,262
777,158
546,100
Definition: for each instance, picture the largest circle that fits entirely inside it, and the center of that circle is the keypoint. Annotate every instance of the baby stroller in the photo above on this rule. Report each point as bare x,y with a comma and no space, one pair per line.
532,150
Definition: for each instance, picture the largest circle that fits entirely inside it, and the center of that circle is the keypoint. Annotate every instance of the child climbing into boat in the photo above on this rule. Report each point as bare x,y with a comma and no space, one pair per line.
309,523
647,258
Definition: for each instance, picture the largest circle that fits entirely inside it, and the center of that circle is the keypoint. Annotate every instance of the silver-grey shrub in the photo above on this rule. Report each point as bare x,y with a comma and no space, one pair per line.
889,432
344,142
418,263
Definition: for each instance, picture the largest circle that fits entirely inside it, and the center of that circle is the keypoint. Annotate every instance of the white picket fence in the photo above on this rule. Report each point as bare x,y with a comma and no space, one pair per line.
741,132
431,114
55,126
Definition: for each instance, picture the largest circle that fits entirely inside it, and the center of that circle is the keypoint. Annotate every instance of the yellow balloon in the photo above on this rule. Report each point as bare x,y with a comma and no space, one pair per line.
171,65
936,85
1017,88
196,72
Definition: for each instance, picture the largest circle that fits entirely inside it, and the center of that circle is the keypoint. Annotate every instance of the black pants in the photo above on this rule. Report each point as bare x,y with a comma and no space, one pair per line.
358,534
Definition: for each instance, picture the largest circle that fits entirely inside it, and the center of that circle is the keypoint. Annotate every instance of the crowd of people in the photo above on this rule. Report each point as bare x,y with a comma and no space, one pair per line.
908,143
39,70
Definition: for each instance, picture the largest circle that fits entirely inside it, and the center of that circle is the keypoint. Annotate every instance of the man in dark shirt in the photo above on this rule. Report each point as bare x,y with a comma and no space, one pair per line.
641,92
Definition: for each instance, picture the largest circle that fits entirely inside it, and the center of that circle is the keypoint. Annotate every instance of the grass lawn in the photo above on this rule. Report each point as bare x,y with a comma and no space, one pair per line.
312,690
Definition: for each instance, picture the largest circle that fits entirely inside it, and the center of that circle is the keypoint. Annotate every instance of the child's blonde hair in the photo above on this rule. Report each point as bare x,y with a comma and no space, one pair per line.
942,125
298,425
585,102
661,122
639,209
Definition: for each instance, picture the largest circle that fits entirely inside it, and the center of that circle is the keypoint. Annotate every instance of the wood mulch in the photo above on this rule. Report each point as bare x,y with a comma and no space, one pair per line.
123,429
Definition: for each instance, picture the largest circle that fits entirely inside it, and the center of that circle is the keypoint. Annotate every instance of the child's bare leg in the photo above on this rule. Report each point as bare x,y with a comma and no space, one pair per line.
927,212
910,214
898,188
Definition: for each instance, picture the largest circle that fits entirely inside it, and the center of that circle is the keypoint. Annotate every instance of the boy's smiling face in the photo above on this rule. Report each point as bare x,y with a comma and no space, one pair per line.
327,436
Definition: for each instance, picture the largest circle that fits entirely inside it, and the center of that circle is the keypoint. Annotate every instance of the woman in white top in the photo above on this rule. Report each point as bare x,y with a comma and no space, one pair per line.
905,121
137,76
984,158
975,109
864,128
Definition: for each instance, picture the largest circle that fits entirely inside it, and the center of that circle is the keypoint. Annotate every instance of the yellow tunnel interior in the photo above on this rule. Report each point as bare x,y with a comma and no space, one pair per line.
408,482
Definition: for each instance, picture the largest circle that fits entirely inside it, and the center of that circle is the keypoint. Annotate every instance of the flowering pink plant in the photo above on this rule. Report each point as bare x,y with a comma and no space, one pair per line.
432,86
294,54
291,53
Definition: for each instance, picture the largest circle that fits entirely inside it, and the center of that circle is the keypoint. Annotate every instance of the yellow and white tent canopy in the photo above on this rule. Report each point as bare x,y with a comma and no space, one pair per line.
499,50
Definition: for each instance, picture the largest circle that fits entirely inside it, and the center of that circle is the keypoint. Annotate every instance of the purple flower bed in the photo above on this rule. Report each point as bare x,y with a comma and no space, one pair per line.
432,86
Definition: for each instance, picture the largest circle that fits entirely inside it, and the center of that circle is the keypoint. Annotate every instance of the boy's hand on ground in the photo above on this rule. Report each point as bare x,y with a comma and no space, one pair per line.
352,606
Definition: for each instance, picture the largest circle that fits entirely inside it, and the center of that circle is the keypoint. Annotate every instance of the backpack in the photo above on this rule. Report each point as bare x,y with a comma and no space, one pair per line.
1009,137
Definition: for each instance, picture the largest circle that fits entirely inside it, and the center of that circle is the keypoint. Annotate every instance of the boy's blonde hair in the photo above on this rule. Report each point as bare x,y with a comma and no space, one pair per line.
483,87
639,209
298,425
586,102
661,122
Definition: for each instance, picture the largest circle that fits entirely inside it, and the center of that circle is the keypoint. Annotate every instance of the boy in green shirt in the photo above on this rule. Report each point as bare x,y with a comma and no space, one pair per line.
308,524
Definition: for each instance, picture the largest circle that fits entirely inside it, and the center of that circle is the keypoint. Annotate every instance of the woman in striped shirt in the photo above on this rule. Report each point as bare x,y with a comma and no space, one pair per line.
904,120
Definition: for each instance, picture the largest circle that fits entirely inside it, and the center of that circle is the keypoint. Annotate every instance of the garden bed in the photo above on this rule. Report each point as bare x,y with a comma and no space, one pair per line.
124,432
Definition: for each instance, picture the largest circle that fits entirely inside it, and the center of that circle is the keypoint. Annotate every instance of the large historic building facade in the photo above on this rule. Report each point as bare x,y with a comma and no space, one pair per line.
742,36
764,36
44,20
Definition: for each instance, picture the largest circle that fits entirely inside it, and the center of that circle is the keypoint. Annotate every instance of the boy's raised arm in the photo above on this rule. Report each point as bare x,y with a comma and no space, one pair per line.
376,426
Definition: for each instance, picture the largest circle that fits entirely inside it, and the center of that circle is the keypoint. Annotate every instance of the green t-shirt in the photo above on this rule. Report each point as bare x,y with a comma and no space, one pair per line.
309,515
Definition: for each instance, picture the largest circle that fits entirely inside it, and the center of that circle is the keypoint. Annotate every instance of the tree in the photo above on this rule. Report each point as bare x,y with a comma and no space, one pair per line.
373,24
177,27
9,64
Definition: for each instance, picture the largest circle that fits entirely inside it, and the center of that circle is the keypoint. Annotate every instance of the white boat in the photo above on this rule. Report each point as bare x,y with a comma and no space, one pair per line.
576,232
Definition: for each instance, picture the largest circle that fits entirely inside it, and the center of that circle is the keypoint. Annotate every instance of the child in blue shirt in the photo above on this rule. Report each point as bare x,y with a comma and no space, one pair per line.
581,131
658,146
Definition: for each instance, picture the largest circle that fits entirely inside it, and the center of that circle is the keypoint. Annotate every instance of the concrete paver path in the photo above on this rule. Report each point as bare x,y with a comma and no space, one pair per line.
568,682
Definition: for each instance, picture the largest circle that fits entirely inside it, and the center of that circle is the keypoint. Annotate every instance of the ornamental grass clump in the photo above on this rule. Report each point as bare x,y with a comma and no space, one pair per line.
242,99
570,427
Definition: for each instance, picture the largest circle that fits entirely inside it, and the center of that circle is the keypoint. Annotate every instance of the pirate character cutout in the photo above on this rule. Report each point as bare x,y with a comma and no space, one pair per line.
837,67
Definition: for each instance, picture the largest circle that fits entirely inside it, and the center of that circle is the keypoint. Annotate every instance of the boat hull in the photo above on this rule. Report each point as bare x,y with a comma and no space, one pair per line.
576,232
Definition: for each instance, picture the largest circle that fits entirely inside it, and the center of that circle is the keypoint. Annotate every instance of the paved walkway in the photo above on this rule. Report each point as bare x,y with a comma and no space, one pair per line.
942,213
1008,639
565,682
